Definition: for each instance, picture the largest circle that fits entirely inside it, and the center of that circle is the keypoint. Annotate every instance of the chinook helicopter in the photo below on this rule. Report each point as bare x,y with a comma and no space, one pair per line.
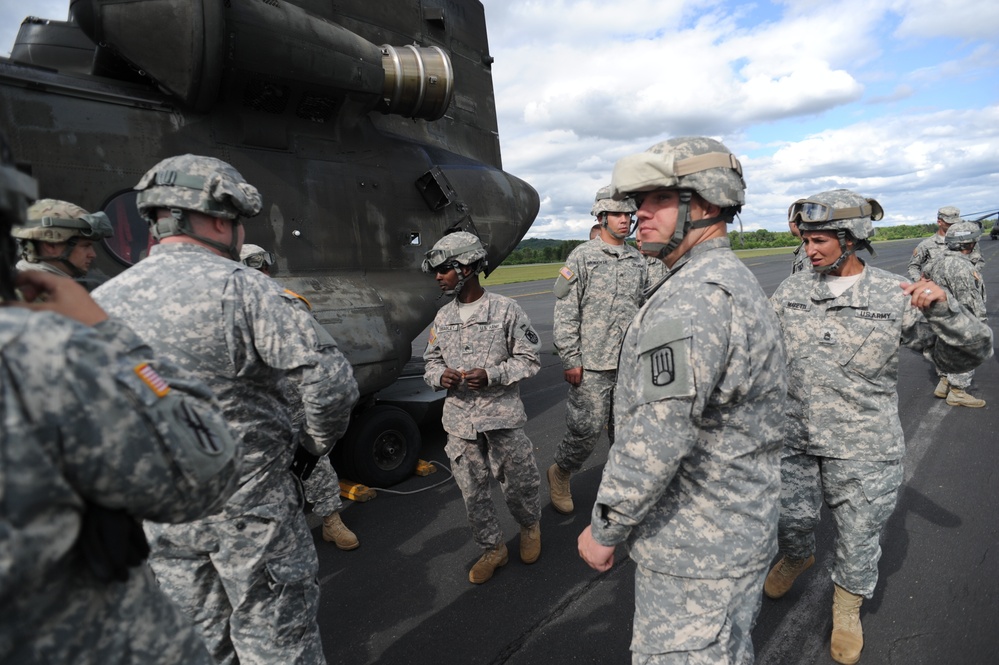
368,127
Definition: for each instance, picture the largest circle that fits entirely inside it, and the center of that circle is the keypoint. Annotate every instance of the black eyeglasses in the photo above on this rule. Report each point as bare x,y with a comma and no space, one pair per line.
445,268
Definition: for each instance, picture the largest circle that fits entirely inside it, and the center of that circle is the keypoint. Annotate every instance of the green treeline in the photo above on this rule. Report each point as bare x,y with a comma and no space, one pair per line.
762,239
547,250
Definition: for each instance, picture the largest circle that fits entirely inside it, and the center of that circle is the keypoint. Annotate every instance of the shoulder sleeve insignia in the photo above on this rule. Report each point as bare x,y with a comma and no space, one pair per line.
531,336
665,362
566,273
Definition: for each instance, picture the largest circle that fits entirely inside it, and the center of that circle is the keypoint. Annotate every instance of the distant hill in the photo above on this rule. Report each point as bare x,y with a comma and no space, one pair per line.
538,243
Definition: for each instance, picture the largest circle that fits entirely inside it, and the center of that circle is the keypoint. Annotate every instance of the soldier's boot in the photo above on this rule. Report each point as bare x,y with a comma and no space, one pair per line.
336,532
958,397
783,574
558,489
943,387
530,542
847,633
487,564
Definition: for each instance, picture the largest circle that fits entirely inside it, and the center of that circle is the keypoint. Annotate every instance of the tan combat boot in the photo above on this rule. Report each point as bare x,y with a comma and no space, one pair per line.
530,542
558,489
783,574
847,633
943,387
336,532
487,564
958,397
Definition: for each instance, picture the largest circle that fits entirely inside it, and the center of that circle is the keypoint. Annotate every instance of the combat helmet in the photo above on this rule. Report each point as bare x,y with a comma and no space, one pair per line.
187,183
255,256
456,249
962,235
846,213
54,221
691,165
17,190
949,215
604,202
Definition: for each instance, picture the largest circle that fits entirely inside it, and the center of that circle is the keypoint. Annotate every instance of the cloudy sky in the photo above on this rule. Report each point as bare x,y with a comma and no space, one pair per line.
895,99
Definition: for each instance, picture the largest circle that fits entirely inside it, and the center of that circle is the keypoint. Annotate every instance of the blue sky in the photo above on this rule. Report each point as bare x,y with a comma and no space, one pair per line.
895,99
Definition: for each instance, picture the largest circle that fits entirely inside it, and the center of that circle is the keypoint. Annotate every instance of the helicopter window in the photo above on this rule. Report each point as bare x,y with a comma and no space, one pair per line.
131,240
265,96
414,239
316,107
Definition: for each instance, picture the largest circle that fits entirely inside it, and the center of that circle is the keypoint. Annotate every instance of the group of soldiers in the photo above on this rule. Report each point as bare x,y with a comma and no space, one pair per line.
732,416
150,515
151,428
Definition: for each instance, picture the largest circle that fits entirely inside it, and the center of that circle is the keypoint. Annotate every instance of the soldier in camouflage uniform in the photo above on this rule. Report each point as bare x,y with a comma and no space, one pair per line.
693,480
936,244
321,484
843,324
481,346
247,576
597,293
954,271
98,433
58,237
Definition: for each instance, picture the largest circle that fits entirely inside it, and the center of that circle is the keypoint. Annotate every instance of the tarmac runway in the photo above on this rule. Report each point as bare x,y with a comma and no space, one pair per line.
404,598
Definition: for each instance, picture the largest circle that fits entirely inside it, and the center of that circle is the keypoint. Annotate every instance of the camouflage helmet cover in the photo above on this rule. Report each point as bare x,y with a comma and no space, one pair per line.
962,234
249,250
837,210
701,164
604,202
949,215
51,220
462,246
202,184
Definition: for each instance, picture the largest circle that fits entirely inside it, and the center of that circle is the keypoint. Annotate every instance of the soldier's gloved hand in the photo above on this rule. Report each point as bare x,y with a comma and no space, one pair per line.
304,463
112,541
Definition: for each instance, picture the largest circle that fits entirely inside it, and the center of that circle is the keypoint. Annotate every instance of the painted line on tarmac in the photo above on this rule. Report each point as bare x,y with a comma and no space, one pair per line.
536,293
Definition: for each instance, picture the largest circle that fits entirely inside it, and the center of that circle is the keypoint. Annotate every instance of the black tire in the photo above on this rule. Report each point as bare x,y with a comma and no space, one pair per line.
380,448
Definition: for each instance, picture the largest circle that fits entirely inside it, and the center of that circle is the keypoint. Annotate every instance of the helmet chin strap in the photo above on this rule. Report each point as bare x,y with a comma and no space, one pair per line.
461,280
604,223
63,258
845,252
662,250
180,224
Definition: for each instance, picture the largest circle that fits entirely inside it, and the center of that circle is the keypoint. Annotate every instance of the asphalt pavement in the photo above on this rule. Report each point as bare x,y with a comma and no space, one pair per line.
404,598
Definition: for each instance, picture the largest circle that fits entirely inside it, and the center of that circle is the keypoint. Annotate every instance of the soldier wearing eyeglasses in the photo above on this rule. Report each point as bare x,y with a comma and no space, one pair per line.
843,324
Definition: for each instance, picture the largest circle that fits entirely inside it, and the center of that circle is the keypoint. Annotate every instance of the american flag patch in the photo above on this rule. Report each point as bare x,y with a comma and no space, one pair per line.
152,379
565,272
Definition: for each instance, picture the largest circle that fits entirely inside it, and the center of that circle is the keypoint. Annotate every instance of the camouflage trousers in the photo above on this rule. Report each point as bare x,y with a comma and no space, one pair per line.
588,407
861,497
509,456
248,583
322,489
682,620
960,381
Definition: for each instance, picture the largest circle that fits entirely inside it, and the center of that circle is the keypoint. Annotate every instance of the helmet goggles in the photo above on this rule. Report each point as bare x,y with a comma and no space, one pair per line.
436,257
814,212
259,260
